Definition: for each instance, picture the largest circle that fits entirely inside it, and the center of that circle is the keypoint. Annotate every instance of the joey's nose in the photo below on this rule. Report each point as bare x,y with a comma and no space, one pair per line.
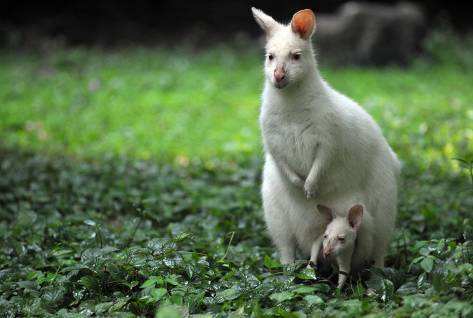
279,74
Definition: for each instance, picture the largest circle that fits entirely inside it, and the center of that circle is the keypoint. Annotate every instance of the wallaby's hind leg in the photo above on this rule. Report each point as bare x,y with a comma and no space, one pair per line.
344,268
287,251
281,234
378,257
314,252
379,261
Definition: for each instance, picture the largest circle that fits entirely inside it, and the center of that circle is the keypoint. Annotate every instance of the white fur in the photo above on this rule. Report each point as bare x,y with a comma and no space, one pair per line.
357,248
320,147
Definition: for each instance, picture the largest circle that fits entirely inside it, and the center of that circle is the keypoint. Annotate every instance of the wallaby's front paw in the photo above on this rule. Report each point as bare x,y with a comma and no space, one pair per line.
298,182
309,192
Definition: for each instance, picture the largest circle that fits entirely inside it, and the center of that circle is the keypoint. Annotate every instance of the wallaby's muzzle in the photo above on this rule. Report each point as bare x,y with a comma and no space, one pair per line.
280,77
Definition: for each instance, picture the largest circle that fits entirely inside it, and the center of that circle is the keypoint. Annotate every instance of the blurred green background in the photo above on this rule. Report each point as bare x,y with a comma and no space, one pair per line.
182,104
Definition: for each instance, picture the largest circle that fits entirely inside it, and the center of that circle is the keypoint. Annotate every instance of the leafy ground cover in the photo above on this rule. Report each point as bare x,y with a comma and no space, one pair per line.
118,237
129,186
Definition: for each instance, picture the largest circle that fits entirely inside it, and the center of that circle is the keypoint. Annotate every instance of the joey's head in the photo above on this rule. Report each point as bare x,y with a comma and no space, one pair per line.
289,55
340,234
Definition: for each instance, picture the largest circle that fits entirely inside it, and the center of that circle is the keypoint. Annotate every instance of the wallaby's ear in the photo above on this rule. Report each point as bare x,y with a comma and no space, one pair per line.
326,212
303,23
267,23
355,215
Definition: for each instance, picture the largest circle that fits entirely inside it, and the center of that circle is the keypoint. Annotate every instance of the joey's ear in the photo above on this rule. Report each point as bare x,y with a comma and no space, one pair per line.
303,23
267,23
326,212
355,215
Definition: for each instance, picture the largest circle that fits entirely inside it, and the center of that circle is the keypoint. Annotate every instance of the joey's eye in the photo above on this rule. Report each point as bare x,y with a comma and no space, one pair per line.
325,236
296,56
270,56
341,239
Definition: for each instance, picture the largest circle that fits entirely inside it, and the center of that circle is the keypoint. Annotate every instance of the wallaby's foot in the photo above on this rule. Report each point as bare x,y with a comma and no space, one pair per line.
285,261
379,262
288,257
370,292
342,278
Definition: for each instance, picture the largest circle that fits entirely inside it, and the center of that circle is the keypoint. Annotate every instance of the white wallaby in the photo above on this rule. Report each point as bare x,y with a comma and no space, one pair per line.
320,146
348,239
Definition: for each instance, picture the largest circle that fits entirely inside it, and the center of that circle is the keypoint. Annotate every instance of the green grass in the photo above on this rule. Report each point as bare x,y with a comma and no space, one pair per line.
178,103
129,186
148,103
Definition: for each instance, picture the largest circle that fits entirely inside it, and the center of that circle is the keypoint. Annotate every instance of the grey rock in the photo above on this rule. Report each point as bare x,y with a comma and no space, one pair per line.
370,34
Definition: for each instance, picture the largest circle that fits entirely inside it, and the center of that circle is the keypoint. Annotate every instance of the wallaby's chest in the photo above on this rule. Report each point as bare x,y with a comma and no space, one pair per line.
291,139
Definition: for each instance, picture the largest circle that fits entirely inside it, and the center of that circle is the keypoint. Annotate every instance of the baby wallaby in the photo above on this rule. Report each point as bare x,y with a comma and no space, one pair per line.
340,239
319,144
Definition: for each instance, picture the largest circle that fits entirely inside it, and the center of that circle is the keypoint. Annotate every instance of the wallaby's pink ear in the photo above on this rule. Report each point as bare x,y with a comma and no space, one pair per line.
326,212
266,23
355,214
303,23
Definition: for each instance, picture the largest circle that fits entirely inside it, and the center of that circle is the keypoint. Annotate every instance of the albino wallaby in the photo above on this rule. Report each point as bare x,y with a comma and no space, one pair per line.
348,239
319,145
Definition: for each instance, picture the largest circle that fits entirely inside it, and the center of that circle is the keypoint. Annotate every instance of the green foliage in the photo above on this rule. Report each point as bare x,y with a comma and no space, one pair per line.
101,230
448,48
118,237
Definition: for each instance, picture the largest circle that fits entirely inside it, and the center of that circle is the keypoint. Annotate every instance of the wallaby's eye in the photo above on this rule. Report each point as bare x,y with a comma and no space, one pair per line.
270,56
296,56
325,236
341,239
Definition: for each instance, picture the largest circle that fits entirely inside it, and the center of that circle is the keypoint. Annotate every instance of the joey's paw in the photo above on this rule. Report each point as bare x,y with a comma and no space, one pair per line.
312,265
